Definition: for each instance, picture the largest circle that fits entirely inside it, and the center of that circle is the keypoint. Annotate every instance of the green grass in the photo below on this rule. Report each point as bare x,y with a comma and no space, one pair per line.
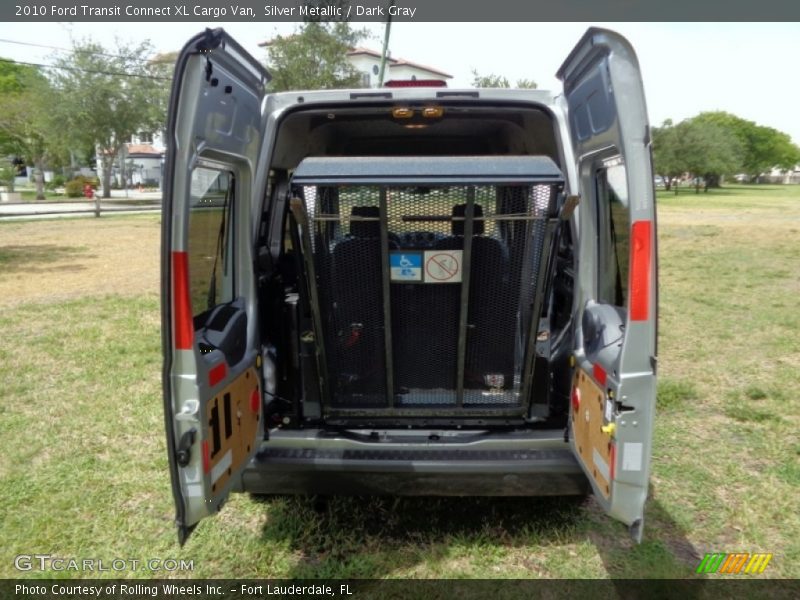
30,196
83,461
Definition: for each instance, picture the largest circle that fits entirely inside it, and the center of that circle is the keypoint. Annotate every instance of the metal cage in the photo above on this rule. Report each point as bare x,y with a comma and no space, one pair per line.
428,277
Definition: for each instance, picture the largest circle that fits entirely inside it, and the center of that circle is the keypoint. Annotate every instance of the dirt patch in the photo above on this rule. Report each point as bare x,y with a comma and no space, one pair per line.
45,261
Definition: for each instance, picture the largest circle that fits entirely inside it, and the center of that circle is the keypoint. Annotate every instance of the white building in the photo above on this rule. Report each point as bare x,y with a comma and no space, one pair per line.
780,176
143,157
368,63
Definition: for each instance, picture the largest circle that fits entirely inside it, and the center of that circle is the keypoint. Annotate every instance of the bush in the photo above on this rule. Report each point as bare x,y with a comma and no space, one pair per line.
74,187
56,182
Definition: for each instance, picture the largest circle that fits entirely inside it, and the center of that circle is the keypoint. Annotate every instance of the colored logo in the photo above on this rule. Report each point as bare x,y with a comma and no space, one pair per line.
737,564
405,266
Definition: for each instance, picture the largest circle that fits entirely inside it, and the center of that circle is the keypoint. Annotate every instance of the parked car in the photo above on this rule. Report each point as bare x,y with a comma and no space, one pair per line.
409,290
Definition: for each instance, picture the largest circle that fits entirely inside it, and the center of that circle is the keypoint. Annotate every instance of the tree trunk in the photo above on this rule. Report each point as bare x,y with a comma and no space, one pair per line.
108,162
39,178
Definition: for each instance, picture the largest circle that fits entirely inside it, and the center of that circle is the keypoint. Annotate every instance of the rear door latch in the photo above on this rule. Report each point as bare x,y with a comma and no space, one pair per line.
184,453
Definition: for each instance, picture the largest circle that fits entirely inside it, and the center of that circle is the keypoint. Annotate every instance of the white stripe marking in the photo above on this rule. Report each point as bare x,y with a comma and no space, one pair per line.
222,466
632,456
601,465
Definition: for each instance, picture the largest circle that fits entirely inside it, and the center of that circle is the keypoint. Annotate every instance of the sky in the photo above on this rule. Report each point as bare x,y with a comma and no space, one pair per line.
749,69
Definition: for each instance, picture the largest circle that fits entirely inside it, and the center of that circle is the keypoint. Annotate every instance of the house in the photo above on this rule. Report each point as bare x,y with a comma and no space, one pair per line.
783,176
368,62
143,157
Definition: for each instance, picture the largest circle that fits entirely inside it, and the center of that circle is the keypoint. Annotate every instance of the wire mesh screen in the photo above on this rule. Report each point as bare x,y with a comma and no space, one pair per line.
435,274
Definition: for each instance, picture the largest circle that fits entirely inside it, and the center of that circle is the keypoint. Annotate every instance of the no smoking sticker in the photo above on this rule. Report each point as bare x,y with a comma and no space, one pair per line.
443,266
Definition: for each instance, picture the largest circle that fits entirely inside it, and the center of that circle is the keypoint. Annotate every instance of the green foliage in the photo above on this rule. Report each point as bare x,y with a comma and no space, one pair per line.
29,127
499,81
763,148
7,173
13,75
314,57
74,187
56,182
713,144
526,84
708,149
489,81
110,95
667,159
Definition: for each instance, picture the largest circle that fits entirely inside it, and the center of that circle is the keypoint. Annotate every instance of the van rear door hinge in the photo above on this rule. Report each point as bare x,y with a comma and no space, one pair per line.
569,206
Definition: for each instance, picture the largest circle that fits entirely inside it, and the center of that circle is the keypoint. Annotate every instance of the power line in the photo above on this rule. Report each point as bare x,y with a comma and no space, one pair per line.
79,69
59,49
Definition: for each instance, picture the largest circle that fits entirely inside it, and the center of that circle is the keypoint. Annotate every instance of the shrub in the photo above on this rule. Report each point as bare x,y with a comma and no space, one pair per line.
56,182
74,187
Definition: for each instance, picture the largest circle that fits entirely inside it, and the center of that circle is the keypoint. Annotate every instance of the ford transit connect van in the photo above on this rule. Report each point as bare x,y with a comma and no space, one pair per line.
409,290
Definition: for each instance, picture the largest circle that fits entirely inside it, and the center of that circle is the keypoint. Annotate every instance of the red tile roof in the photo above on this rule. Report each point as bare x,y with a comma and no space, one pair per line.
142,149
392,62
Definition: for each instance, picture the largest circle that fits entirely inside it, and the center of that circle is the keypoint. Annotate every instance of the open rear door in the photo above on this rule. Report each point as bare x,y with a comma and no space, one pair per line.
614,387
212,390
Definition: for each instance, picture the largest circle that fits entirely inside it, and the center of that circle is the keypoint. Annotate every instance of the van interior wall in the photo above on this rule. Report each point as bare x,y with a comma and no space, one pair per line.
474,132
372,131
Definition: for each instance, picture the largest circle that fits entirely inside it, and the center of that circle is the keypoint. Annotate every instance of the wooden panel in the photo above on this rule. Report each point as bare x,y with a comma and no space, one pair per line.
594,446
232,427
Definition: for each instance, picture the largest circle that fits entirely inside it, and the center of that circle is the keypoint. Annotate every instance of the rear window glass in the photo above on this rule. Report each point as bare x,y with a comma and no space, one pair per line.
613,235
209,243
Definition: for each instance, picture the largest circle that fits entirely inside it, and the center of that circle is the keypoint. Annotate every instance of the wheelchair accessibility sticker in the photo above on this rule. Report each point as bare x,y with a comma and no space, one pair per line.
405,266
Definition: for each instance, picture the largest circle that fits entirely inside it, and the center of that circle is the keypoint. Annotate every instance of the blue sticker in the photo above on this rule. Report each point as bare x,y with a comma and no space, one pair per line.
405,266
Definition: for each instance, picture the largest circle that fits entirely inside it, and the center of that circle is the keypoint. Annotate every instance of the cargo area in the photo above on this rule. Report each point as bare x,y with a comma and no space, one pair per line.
423,276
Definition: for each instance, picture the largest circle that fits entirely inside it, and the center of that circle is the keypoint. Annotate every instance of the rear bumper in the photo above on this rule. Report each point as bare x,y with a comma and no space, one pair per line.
480,465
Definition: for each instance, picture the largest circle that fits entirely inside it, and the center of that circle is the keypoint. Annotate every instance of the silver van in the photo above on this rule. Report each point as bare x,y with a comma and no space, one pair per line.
410,290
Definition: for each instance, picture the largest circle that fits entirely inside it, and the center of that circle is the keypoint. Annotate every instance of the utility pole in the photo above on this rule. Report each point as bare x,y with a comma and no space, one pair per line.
385,44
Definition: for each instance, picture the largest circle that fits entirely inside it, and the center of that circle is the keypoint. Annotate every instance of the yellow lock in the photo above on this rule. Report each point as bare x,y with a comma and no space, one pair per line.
609,429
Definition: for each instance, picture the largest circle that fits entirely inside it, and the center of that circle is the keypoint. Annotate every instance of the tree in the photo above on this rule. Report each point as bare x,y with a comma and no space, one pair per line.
29,128
708,150
763,148
314,57
667,159
499,81
108,96
703,149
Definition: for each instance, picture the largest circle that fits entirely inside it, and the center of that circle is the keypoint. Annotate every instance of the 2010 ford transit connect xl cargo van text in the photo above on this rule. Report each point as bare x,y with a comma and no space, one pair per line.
409,290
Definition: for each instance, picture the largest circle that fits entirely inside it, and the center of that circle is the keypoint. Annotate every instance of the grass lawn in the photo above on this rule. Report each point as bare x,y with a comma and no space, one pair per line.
30,196
83,460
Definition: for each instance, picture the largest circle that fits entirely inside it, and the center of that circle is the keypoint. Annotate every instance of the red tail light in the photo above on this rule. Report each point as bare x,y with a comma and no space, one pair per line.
255,401
599,374
398,83
181,302
641,260
217,374
206,457
576,399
